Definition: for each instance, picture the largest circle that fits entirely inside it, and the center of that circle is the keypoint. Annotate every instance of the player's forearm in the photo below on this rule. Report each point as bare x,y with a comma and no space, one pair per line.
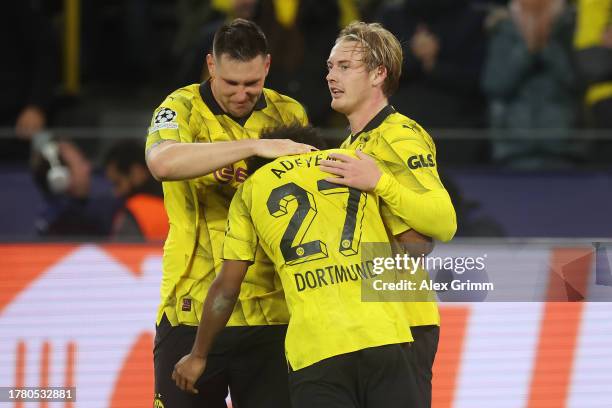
182,161
217,310
431,213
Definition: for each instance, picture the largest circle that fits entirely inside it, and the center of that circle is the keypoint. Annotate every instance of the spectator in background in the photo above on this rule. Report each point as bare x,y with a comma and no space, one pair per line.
444,47
192,54
28,74
530,83
72,209
593,43
142,215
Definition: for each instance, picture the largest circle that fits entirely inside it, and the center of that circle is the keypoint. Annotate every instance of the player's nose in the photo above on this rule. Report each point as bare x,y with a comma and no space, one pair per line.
241,96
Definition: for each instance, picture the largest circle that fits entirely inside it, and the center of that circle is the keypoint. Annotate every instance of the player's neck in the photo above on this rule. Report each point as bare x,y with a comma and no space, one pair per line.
365,113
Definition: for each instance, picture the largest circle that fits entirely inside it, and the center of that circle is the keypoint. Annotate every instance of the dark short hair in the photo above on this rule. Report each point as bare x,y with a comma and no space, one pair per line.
124,154
241,40
297,133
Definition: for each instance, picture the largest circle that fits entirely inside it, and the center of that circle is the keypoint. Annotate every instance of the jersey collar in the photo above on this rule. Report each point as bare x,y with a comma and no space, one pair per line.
375,122
215,108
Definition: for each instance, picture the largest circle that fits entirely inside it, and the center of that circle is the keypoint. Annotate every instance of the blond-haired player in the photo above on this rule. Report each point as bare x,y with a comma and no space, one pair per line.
364,68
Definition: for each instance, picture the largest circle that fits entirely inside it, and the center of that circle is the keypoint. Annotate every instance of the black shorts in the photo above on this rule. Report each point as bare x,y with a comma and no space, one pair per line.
369,378
422,355
249,360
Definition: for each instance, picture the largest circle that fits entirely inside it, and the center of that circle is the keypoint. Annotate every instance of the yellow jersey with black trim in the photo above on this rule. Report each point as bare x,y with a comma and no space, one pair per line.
315,232
197,208
594,17
410,189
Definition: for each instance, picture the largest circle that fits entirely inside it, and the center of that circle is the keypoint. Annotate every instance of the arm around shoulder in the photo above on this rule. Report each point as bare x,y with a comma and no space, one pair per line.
169,160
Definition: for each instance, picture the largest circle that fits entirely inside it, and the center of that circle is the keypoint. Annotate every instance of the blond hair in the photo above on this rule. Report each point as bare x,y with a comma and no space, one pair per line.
379,48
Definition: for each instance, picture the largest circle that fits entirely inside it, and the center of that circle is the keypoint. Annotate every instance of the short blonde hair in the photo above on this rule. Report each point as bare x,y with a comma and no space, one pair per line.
379,47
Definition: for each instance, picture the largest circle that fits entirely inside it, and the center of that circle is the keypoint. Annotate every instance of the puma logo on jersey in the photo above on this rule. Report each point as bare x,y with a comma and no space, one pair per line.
421,161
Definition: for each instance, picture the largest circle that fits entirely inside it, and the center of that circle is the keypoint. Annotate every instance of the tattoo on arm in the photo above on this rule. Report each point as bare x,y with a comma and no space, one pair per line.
153,146
223,304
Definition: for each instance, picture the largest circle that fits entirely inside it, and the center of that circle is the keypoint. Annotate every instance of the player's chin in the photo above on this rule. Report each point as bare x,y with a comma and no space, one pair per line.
338,105
241,111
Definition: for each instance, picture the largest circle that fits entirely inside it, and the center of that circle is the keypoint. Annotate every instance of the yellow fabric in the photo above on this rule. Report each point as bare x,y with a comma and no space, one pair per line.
300,224
224,6
286,11
598,92
348,12
592,20
197,208
412,194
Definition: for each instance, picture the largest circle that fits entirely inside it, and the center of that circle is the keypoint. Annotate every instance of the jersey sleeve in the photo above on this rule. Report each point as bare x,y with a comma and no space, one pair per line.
240,237
170,122
410,188
301,115
292,112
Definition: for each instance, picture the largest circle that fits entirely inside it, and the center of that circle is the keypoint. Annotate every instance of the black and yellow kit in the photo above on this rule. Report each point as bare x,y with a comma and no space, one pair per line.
314,232
197,208
411,190
594,17
197,212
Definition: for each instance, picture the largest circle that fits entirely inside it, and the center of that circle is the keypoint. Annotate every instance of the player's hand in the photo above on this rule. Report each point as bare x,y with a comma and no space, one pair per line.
187,371
361,173
273,148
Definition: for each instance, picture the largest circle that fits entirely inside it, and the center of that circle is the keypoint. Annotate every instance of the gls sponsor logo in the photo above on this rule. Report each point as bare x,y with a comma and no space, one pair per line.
421,161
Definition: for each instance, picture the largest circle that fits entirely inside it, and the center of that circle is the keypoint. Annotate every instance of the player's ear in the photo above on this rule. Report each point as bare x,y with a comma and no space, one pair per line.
210,63
379,74
267,62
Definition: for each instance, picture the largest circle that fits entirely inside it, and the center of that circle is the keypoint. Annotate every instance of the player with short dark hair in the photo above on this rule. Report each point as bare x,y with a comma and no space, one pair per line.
242,41
198,140
364,68
341,350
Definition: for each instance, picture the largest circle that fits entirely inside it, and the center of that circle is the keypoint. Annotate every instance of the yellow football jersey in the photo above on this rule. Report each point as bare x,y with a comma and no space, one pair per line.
314,232
593,19
410,189
197,208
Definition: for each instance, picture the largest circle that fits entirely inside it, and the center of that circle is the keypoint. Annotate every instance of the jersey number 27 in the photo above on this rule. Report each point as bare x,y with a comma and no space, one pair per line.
305,214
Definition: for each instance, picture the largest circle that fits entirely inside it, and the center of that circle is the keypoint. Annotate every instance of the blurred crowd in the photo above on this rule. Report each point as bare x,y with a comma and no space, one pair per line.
528,73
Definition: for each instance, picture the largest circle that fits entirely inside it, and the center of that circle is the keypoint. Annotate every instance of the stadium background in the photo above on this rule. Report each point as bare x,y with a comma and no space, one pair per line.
77,309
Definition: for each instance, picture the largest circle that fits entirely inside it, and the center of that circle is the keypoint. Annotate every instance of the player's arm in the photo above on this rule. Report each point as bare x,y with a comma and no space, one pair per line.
218,307
239,249
172,154
169,160
427,210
